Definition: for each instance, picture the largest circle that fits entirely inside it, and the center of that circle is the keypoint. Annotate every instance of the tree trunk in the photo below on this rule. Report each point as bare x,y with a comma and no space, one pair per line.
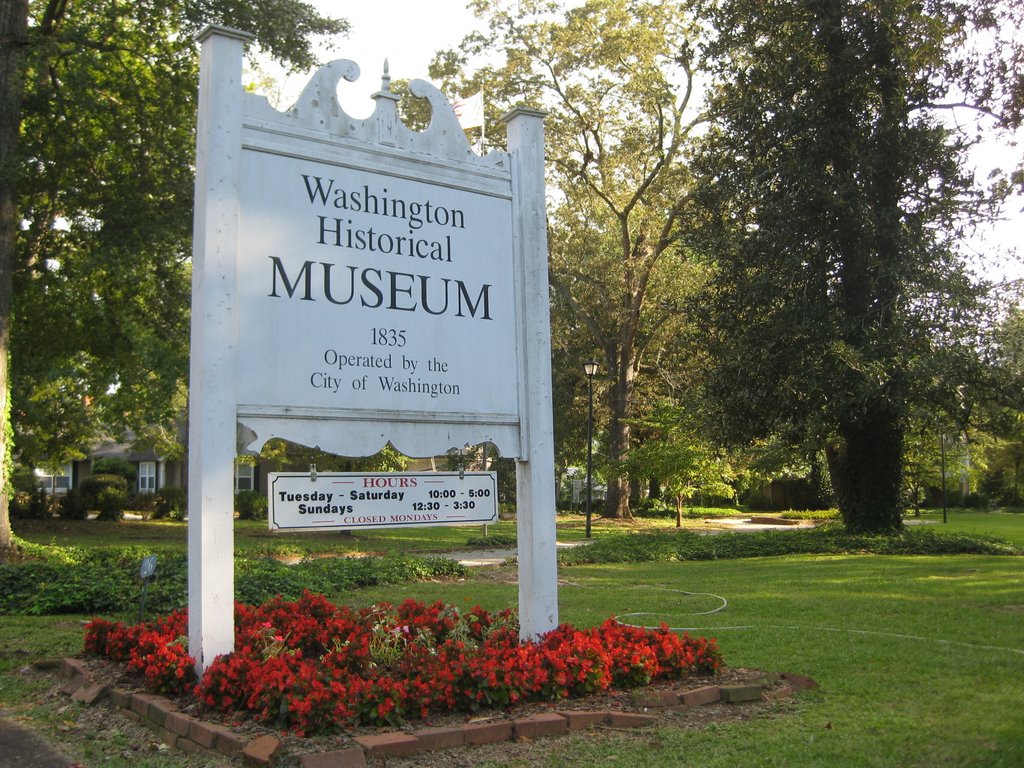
634,492
13,38
866,471
616,503
1016,479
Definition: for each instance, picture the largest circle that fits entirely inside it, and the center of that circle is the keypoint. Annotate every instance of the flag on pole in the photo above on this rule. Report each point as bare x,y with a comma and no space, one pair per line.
470,110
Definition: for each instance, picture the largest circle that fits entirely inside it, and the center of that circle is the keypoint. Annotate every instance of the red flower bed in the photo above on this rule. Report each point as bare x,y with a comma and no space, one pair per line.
311,666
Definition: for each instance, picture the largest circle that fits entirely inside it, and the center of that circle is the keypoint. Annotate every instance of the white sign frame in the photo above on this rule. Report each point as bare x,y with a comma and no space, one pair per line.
234,127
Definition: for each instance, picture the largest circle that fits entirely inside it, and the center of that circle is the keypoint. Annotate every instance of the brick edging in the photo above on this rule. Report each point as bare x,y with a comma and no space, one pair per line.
191,735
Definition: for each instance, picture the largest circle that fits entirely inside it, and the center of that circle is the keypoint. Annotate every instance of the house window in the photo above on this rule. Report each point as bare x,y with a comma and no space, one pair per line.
244,477
147,476
55,484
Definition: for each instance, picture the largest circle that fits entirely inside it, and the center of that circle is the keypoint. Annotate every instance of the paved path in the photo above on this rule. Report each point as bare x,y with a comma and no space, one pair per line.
22,748
496,556
746,524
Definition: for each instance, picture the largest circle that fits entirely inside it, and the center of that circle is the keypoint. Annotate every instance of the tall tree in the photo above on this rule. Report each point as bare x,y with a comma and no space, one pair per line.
836,194
95,205
1000,412
615,78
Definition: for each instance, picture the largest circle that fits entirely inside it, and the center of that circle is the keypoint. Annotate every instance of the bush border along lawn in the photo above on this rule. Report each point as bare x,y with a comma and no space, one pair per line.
106,581
827,539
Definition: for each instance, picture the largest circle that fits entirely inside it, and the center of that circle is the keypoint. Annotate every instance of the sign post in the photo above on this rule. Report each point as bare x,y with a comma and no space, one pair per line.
211,442
535,477
357,283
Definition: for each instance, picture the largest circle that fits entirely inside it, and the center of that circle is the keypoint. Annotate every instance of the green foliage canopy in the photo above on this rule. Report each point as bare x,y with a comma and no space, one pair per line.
101,279
616,81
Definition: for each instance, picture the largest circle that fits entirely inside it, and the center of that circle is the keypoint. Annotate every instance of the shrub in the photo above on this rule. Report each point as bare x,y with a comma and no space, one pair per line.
251,505
111,502
74,505
170,503
827,539
654,508
757,501
810,514
492,540
31,505
110,465
92,487
61,580
700,513
976,501
143,503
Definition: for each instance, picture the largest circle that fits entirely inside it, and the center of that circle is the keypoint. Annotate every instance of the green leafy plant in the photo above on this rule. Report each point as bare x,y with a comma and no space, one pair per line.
492,540
62,580
828,539
170,503
110,503
251,505
34,504
74,505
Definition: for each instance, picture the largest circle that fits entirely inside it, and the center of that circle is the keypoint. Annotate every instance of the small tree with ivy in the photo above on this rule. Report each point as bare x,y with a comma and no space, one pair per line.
677,454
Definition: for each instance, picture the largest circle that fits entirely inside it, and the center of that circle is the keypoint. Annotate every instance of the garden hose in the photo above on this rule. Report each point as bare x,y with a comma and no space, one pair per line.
619,619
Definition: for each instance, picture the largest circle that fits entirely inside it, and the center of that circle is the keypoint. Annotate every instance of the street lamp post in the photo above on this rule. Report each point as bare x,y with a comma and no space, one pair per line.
590,368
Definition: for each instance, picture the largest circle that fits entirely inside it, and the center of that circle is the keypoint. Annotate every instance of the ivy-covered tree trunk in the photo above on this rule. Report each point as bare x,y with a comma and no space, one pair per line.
867,466
13,28
865,469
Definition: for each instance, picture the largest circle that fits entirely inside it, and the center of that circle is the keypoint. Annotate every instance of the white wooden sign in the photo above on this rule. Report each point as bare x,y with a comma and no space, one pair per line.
373,292
357,283
347,501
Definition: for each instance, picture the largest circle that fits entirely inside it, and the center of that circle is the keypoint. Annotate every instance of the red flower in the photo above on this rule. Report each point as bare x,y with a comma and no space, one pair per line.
312,666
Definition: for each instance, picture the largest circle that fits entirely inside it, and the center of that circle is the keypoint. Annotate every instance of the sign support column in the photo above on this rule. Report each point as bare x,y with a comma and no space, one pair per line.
212,422
535,479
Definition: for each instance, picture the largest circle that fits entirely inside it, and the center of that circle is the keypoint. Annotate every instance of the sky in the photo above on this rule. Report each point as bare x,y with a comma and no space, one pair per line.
405,32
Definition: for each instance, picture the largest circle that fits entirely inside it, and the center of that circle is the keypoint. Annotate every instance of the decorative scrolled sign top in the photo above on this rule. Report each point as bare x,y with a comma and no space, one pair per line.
319,109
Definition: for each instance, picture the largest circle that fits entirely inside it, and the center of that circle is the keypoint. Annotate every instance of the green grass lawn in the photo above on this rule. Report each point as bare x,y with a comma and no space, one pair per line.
920,658
1003,525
